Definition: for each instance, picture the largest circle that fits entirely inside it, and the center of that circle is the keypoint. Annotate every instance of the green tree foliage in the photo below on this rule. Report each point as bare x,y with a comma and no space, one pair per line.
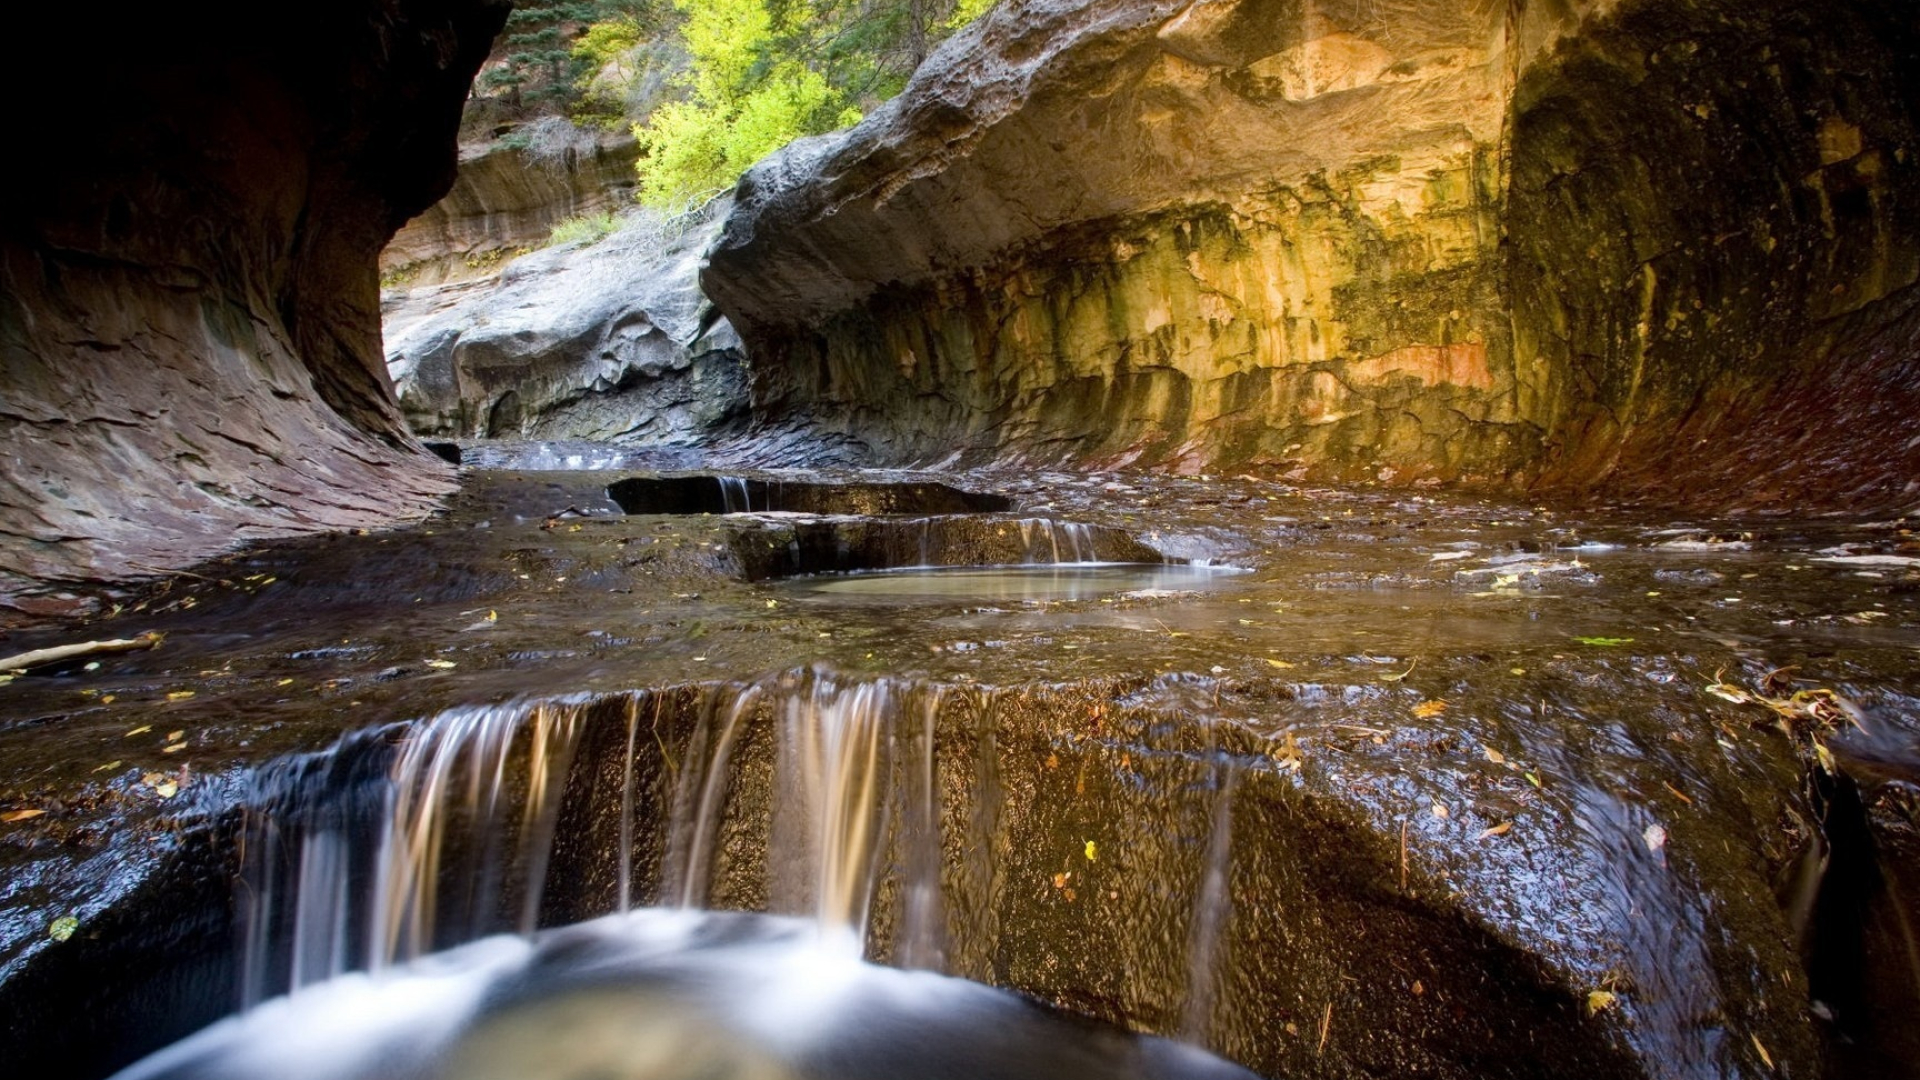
762,73
539,60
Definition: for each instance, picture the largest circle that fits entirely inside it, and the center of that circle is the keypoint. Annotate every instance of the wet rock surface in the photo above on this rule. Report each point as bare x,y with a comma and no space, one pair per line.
609,341
1418,239
1402,799
190,324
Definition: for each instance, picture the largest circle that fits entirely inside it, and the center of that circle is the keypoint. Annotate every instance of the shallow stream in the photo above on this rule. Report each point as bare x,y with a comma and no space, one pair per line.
1328,782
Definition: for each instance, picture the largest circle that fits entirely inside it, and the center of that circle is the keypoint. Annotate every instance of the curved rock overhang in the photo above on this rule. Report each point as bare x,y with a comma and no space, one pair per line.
1533,246
189,320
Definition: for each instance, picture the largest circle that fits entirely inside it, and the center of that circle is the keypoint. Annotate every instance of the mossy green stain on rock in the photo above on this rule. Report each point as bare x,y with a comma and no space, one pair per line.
1530,247
1307,322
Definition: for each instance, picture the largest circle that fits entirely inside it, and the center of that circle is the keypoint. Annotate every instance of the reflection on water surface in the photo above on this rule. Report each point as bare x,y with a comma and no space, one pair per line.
1068,581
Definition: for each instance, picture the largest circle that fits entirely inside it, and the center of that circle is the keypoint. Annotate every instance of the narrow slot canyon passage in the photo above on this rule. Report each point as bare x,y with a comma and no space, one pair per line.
1180,541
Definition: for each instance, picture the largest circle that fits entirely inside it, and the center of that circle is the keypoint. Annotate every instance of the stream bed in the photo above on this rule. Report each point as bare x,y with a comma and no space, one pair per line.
1328,782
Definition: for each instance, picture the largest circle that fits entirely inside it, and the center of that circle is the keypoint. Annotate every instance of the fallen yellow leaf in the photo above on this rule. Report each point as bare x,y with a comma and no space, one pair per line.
1427,710
1093,851
179,695
1495,756
21,815
141,730
108,767
1281,664
174,748
176,736
1498,830
1599,1001
1764,1056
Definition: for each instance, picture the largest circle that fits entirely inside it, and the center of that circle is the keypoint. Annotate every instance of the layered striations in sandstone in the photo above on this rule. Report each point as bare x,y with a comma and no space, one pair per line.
507,199
608,340
190,319
1399,240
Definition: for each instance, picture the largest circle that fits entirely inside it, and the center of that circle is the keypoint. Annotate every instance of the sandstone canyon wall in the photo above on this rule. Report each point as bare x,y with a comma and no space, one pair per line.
608,340
507,199
190,322
1534,244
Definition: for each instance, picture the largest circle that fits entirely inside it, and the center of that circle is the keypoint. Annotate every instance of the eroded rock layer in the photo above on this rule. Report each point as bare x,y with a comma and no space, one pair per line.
190,319
507,200
608,340
1404,240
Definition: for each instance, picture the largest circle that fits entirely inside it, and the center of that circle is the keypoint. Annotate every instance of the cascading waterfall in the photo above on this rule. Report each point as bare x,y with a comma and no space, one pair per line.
1042,539
890,815
836,748
374,853
700,800
363,859
427,777
734,495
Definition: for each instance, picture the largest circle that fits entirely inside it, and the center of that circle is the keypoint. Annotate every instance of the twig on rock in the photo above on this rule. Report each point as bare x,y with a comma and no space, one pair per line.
43,657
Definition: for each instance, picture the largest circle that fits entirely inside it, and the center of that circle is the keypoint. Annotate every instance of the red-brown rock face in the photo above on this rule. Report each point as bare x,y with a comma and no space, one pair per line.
189,321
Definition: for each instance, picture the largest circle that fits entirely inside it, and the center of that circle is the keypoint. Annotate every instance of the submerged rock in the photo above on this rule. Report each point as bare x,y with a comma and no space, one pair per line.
1398,242
1464,832
609,340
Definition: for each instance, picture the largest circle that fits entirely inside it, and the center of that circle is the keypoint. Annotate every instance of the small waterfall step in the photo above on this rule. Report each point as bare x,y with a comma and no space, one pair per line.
710,494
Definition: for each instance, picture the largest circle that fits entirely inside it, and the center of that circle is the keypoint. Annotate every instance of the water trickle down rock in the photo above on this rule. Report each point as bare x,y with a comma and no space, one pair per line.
1099,847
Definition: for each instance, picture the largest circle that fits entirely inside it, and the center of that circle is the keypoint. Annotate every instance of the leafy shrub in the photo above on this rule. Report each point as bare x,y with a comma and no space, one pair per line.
765,72
585,229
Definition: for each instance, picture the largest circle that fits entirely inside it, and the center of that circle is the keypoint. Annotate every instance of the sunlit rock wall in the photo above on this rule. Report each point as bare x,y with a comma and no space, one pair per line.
507,199
1400,240
610,340
189,325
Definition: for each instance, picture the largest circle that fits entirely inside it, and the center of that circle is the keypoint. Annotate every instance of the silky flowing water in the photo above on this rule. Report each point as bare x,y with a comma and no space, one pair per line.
1349,782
